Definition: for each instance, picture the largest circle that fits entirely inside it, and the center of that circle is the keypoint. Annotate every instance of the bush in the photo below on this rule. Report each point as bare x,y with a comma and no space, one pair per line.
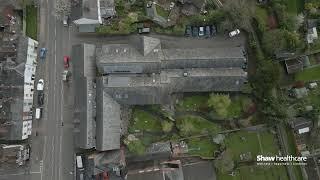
136,147
166,126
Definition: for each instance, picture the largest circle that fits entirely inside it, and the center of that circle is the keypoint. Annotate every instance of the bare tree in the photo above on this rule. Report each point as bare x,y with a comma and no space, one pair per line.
63,8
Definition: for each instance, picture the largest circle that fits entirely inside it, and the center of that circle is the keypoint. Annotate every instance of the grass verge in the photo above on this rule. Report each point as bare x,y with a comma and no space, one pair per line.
31,21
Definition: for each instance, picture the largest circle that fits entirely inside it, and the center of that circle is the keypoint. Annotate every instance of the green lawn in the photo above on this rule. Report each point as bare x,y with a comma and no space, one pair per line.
203,147
269,144
31,21
248,143
193,103
261,15
309,74
144,121
162,12
257,172
242,142
194,125
295,6
292,150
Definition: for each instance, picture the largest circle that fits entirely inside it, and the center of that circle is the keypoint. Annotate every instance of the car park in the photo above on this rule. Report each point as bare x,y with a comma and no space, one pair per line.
195,32
66,60
234,33
201,31
40,85
43,52
188,31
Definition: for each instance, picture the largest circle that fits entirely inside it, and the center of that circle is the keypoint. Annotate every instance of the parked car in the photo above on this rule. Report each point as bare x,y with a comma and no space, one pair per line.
66,60
65,75
201,31
208,31
234,33
213,30
40,98
43,52
195,31
143,30
38,113
65,21
188,31
40,85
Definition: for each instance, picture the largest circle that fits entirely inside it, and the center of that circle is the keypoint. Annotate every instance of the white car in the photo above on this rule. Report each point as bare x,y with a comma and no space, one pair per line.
40,85
201,31
234,33
65,21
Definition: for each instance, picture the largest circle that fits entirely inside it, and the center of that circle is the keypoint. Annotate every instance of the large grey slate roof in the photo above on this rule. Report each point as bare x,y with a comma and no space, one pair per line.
84,75
147,49
108,120
204,80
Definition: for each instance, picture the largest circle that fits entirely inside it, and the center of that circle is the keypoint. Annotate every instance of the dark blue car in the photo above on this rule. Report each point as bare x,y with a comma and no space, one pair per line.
43,52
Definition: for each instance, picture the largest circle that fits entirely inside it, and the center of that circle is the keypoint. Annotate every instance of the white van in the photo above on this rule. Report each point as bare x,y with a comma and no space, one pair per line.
38,113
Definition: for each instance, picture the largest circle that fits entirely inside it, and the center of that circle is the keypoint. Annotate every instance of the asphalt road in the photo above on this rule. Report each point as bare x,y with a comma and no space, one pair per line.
52,155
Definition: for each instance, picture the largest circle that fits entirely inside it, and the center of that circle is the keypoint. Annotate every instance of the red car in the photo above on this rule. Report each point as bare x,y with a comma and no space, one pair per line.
66,60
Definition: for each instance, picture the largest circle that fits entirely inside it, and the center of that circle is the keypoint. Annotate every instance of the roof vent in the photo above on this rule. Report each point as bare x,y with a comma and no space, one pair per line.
117,50
156,50
124,50
185,74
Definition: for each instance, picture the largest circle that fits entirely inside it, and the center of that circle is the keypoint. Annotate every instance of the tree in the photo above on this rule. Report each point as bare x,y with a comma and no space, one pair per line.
286,41
241,12
225,163
166,126
63,8
220,104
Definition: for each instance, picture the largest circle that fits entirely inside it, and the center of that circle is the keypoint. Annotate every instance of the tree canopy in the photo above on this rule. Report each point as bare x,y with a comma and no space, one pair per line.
220,104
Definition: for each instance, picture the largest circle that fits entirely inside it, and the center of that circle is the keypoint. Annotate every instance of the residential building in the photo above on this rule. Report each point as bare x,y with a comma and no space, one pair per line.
14,154
312,33
18,65
88,14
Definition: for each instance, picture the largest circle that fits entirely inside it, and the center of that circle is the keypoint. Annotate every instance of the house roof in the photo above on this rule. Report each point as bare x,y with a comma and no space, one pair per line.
301,124
12,91
202,170
108,120
294,65
84,75
86,9
312,35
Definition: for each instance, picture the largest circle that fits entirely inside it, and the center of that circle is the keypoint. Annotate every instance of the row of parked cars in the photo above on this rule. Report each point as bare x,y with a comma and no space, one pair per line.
206,31
200,31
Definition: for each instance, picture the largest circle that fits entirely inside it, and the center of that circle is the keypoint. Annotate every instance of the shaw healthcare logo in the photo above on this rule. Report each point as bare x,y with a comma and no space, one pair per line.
281,160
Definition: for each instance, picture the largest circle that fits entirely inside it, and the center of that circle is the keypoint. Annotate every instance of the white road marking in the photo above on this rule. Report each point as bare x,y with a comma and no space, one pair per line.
19,174
44,153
